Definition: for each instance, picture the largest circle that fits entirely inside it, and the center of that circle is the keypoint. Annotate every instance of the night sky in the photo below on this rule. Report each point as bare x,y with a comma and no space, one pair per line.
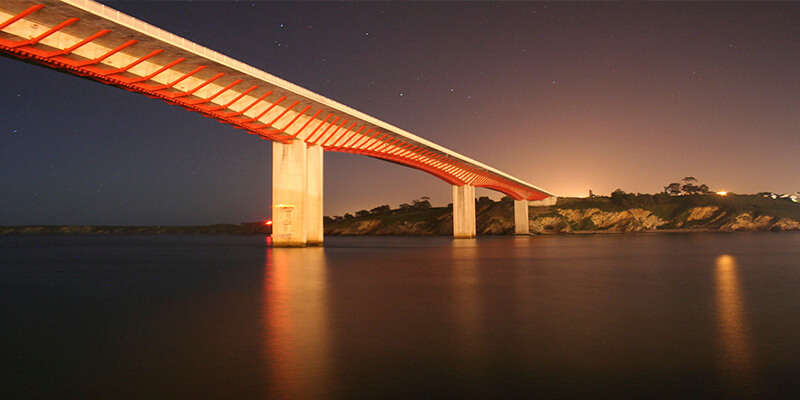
567,96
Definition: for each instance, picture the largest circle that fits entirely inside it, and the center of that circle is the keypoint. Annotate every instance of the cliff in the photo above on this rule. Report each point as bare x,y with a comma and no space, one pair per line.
628,213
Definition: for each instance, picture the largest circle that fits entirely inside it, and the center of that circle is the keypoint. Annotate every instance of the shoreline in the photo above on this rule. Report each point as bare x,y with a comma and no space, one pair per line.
237,230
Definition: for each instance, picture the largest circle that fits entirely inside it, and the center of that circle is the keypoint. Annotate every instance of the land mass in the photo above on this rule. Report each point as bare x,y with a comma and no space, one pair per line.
615,214
243,228
619,213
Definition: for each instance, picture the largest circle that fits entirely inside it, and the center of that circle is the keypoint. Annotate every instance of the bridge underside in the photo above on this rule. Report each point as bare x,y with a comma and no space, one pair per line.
90,40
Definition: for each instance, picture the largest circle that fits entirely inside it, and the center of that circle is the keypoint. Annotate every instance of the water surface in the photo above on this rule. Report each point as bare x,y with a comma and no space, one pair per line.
183,316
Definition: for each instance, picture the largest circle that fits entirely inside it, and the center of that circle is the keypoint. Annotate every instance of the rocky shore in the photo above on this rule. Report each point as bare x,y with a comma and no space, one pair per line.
632,213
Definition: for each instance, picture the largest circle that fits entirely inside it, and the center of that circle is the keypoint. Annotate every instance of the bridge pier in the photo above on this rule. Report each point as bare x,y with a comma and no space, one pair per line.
463,212
296,194
521,222
314,216
289,187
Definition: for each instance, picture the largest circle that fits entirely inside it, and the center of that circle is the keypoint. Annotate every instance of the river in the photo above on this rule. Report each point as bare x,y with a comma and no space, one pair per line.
700,315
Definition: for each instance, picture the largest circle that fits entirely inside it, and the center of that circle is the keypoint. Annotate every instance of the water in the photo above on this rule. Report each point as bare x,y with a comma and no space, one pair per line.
601,316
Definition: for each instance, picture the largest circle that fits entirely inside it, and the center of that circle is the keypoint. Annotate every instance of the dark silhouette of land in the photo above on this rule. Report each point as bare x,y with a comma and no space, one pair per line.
621,212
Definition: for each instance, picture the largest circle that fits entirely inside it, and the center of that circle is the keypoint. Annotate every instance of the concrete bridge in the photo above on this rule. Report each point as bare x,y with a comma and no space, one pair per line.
94,41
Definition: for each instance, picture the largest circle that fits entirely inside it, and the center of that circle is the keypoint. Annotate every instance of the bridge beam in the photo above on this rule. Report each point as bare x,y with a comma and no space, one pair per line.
463,211
314,216
521,222
289,191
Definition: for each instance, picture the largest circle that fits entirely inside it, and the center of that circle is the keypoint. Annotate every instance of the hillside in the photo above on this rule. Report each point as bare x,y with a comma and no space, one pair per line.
621,213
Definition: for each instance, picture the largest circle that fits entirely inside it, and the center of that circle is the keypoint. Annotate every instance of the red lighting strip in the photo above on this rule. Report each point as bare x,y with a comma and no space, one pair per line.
399,160
244,110
257,117
348,137
385,144
269,125
308,139
29,11
230,103
127,67
326,129
151,76
175,82
340,136
303,111
357,137
378,140
302,128
363,140
76,45
334,131
206,100
200,86
104,56
395,150
46,34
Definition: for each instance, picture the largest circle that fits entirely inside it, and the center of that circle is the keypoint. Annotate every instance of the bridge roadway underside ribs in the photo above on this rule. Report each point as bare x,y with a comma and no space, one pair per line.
94,41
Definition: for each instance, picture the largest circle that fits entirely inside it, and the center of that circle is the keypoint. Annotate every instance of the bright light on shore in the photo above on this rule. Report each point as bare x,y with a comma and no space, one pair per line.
722,193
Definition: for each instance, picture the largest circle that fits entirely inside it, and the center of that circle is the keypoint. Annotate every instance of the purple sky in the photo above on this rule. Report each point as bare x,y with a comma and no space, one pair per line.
567,96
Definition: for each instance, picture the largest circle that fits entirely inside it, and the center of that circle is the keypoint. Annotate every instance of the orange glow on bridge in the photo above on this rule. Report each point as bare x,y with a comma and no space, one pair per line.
140,58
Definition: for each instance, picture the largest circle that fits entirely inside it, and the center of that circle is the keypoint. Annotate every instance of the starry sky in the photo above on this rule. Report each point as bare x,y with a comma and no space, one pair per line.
569,96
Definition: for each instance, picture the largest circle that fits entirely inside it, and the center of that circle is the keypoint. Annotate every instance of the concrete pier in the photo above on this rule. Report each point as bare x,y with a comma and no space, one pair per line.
464,211
289,188
521,222
314,214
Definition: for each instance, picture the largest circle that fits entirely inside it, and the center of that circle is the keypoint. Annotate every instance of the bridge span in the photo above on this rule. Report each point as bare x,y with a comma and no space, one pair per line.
94,41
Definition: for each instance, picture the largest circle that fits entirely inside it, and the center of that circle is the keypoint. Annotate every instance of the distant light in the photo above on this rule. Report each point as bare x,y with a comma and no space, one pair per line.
284,206
269,222
722,193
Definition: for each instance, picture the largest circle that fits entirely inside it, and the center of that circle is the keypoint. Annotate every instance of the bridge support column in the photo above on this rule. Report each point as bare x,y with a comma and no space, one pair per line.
521,222
464,211
289,188
314,196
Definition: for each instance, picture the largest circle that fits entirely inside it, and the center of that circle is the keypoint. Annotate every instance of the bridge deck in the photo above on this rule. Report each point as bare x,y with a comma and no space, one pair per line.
92,40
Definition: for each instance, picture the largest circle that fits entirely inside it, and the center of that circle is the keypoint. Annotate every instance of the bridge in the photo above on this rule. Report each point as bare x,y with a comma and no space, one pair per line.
94,41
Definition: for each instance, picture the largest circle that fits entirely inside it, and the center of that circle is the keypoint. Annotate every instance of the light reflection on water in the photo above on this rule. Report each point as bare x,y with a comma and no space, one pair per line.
467,307
738,358
603,316
296,323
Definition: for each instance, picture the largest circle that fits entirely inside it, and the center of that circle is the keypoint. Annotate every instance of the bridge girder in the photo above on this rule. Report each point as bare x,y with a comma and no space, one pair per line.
93,41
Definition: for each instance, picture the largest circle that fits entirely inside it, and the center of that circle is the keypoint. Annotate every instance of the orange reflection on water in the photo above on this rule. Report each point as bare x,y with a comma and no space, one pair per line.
737,348
468,309
296,318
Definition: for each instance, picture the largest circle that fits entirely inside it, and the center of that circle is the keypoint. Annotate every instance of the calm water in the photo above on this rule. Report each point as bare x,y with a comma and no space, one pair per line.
634,316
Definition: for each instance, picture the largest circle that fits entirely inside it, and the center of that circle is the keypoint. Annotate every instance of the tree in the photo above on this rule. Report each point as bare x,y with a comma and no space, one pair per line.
690,189
381,209
623,199
484,200
704,188
689,180
362,213
422,202
673,189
